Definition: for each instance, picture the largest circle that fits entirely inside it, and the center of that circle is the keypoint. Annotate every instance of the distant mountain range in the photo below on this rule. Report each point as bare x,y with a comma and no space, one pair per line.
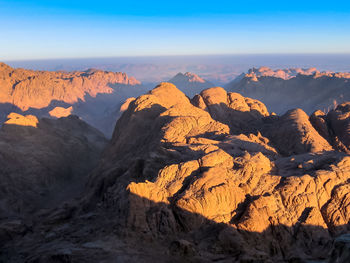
94,95
283,89
218,69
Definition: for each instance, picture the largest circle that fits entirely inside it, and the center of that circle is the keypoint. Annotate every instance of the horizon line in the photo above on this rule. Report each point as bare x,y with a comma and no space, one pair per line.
180,55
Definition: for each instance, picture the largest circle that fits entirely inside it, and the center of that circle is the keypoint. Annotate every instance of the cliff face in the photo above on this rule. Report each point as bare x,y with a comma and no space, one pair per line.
214,178
282,90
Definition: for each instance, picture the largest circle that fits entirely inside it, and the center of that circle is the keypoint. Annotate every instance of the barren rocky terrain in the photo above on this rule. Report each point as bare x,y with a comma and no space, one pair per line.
214,178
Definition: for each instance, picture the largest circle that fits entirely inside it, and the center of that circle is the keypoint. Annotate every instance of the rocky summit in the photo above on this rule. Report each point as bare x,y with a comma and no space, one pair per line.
214,178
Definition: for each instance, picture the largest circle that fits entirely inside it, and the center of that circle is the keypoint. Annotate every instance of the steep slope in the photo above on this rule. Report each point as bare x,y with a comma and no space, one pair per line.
282,90
215,178
190,83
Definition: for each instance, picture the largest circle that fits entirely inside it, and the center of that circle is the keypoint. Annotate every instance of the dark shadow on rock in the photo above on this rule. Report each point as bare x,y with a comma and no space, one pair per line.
167,233
43,166
239,122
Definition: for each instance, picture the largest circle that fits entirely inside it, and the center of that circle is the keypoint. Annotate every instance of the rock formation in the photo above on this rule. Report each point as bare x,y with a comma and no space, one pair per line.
214,178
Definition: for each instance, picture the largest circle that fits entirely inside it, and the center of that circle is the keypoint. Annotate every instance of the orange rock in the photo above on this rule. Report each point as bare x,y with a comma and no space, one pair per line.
18,119
59,112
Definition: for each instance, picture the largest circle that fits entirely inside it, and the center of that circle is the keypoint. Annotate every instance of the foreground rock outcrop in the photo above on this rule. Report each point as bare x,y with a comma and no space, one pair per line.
214,178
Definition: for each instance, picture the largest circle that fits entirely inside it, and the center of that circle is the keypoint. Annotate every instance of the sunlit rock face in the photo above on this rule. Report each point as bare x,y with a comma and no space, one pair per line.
94,95
212,178
18,119
285,89
36,89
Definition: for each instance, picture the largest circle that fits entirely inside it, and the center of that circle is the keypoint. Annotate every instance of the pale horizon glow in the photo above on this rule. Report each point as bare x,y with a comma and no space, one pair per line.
86,29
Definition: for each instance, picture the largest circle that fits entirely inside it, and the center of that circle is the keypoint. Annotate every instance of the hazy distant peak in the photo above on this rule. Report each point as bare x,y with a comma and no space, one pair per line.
190,83
188,77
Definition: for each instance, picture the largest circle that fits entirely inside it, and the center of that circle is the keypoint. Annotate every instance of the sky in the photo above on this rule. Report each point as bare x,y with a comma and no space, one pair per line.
87,29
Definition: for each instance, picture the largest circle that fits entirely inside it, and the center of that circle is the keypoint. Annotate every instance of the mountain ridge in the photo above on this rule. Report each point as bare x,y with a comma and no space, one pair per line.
282,90
19,86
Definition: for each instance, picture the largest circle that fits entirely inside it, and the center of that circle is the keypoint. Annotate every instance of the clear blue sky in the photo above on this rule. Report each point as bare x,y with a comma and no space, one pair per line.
76,29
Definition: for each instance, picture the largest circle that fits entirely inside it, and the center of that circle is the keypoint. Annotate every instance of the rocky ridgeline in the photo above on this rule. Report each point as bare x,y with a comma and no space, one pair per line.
212,178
